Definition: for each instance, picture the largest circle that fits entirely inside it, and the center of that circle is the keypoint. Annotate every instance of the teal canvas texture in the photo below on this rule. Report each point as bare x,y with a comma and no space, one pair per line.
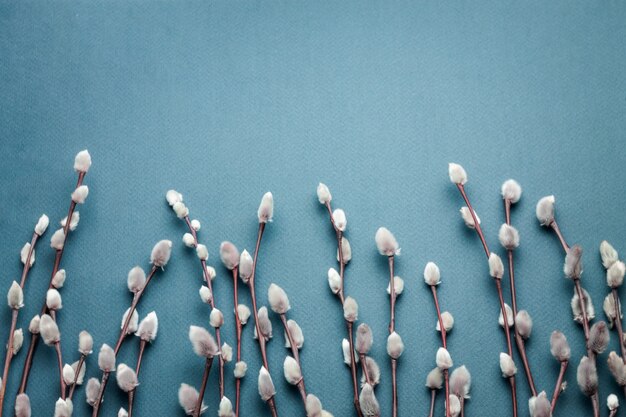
226,100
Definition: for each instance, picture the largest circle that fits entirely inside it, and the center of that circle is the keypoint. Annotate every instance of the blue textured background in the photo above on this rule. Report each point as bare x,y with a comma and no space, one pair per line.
226,100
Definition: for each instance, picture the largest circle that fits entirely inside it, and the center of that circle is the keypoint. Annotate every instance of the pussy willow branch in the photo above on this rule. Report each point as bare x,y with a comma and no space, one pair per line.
14,316
392,328
521,346
34,339
558,389
618,321
349,325
57,348
595,402
131,394
121,338
271,402
205,378
296,356
239,331
443,343
433,394
81,362
499,288
207,278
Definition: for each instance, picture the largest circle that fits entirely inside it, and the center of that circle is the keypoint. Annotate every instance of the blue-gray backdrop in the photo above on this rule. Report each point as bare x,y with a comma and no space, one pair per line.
227,100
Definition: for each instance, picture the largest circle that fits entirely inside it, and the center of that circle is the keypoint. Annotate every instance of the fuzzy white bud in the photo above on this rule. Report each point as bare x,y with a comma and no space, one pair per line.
264,324
173,197
58,280
369,403
313,406
395,346
15,296
180,209
434,379
296,334
73,222
496,268
364,339
573,266
587,376
195,224
57,240
42,225
339,216
122,412
507,366
161,253
202,252
244,313
33,326
509,317
545,210
466,215
524,323
511,190
188,398
323,194
457,173
615,274
240,369
210,273
386,242
18,340
245,266
448,322
608,254
443,359
559,347
265,384
106,358
291,369
82,161
149,327
92,391
136,279
68,374
350,309
203,343
205,294
126,378
455,405
346,250
229,254
85,343
49,330
63,408
612,402
266,208
398,286
79,195
540,406
189,240
508,236
22,406
53,299
347,356
279,302
133,323
432,276
26,249
216,318
226,408
373,370
227,352
334,280
460,382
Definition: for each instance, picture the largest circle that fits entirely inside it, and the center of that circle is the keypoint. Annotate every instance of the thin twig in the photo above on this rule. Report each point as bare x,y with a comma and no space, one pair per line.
57,348
131,394
239,332
618,322
296,356
433,394
558,388
444,344
81,362
205,378
392,328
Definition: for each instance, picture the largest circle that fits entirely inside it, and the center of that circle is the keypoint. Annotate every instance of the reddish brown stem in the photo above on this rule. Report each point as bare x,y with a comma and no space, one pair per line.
433,395
57,348
392,328
26,268
559,383
462,400
394,387
81,362
103,384
519,341
131,394
207,278
205,378
271,403
366,373
296,356
474,218
513,395
9,357
443,342
555,226
618,322
239,332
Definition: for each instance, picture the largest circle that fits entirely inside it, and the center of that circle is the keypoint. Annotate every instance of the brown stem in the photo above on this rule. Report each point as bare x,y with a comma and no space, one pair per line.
583,309
595,402
513,395
504,316
255,311
519,341
476,223
366,373
205,378
103,385
349,325
81,362
462,400
392,328
271,403
57,348
433,395
443,342
239,332
613,413
26,268
555,226
131,394
559,383
296,356
394,387
9,357
618,322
